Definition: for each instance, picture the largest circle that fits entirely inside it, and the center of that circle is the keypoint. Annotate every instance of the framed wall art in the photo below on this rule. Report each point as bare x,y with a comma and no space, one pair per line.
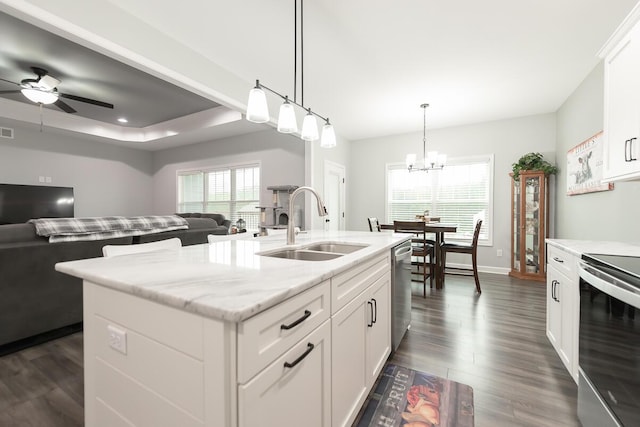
585,166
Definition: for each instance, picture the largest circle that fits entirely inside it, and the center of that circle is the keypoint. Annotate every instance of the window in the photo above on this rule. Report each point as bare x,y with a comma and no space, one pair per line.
232,191
460,193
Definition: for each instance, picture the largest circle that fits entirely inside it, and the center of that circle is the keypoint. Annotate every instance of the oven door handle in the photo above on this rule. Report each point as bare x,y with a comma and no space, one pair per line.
609,285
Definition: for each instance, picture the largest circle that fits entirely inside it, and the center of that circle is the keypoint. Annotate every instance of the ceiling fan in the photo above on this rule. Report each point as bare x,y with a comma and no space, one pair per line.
44,90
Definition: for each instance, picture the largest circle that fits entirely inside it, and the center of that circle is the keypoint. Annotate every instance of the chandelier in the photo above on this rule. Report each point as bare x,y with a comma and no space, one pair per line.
431,160
258,110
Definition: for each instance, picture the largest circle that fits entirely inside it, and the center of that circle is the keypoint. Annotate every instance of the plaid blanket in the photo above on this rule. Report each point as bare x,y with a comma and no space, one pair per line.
105,227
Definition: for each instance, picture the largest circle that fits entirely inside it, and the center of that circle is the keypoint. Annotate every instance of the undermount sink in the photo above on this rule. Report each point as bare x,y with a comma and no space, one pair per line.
340,248
303,255
322,251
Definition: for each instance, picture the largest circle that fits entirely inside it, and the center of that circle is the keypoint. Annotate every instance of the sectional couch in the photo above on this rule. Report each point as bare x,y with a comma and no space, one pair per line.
38,303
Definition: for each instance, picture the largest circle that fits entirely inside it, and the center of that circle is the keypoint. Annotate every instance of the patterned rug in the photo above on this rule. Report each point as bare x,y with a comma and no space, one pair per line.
404,397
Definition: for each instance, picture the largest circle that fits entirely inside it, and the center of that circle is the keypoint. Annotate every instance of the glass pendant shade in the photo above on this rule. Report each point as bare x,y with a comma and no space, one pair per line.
40,96
287,118
442,159
309,128
257,109
328,139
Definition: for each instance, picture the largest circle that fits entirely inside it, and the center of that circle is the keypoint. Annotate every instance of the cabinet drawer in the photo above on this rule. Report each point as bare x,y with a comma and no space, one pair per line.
561,260
266,336
346,286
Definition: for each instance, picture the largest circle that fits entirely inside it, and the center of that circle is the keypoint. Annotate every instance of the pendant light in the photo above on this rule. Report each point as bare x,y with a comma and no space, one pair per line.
258,110
287,118
431,160
309,127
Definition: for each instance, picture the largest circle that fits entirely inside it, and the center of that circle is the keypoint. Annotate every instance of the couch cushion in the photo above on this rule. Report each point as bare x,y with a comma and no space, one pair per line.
195,223
11,233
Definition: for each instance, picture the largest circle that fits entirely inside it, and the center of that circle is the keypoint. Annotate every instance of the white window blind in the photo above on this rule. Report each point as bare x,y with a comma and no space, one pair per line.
233,192
460,194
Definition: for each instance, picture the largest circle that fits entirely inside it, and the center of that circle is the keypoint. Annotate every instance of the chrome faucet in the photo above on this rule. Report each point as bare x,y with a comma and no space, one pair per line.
322,211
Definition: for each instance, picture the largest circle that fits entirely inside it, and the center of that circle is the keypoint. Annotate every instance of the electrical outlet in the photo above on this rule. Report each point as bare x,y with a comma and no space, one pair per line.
41,179
117,339
499,252
47,179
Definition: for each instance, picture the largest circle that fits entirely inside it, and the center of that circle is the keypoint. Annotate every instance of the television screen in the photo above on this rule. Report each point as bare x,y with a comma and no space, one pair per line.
20,203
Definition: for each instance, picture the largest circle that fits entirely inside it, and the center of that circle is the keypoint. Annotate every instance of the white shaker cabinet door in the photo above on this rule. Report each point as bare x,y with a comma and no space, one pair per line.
286,395
379,334
349,348
622,109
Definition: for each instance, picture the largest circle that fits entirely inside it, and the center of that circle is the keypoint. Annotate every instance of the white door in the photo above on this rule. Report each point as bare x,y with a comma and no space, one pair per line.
334,198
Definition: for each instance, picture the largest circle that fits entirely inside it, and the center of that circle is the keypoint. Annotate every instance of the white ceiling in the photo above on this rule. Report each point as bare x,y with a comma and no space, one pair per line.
369,64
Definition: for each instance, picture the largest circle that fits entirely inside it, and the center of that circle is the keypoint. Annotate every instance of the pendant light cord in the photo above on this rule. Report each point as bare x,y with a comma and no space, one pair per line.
295,51
302,52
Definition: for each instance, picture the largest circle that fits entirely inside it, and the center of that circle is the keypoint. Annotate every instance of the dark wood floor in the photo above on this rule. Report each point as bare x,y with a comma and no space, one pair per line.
495,343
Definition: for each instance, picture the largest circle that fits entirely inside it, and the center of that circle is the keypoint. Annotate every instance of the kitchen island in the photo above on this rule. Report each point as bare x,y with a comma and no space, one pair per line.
219,335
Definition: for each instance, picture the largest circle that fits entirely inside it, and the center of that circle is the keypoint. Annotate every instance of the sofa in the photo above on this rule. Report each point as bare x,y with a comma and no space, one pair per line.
38,303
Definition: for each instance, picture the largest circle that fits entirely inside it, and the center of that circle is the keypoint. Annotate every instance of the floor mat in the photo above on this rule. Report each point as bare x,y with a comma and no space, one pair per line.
404,397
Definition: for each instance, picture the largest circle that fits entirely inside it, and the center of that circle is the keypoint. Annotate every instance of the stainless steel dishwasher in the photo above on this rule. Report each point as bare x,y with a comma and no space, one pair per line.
400,292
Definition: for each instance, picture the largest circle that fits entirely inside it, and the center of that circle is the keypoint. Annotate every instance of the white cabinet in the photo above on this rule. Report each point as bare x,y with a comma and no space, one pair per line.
361,331
562,306
622,105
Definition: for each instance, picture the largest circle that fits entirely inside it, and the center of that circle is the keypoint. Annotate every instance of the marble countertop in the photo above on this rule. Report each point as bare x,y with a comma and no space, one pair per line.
579,247
226,279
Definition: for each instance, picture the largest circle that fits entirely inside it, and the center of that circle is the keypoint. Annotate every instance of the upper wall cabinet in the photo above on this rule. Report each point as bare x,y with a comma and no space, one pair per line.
622,101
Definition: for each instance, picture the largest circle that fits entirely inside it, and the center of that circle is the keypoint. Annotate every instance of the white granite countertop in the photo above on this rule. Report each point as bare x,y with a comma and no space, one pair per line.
226,279
579,247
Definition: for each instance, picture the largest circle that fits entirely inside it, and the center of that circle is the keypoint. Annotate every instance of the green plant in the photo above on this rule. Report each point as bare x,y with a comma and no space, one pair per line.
533,162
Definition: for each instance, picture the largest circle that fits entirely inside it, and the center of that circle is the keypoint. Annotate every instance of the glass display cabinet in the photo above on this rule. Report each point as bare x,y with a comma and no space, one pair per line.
529,218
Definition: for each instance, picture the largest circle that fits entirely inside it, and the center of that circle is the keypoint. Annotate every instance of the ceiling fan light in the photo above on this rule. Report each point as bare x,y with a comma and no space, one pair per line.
39,96
309,128
257,108
287,118
328,139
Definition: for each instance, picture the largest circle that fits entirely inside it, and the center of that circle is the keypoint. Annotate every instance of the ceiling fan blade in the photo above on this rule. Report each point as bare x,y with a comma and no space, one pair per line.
87,100
9,91
64,106
9,81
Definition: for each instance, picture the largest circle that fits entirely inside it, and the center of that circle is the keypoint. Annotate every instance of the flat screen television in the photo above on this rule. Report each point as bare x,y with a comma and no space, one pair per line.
20,203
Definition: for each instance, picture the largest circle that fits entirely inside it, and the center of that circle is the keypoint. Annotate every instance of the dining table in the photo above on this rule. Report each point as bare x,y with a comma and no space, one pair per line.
438,229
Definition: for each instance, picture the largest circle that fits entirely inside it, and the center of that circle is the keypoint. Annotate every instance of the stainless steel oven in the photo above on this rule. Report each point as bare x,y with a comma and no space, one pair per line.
609,341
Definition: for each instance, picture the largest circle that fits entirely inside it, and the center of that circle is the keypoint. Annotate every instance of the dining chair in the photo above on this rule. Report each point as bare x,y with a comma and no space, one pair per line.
421,249
374,224
463,248
160,245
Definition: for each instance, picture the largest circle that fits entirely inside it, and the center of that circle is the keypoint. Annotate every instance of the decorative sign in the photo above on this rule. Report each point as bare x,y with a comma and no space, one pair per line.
585,166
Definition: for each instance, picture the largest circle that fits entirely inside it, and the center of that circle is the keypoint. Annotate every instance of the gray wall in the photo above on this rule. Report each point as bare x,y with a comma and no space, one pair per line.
107,179
507,140
281,157
578,216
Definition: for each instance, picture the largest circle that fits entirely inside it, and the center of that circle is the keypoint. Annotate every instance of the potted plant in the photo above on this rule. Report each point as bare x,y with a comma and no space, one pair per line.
533,162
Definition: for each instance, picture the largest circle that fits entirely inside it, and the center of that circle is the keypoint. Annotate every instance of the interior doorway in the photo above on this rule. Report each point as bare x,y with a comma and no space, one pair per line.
334,196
